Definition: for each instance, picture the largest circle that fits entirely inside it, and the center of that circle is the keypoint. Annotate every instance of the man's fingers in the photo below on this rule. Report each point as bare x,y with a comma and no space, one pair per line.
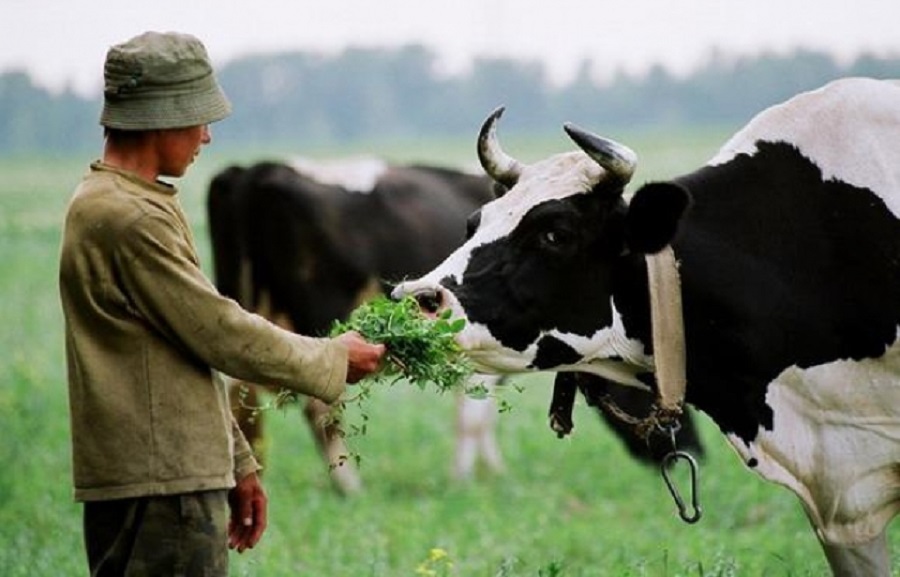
261,520
245,531
240,539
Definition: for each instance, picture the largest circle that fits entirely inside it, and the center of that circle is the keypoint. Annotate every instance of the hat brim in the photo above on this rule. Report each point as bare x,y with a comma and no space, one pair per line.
157,112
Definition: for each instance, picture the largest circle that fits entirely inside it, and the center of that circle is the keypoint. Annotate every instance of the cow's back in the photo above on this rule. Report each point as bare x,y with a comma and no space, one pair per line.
849,128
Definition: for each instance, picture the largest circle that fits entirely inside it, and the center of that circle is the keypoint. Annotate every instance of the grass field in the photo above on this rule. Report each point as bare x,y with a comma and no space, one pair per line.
574,508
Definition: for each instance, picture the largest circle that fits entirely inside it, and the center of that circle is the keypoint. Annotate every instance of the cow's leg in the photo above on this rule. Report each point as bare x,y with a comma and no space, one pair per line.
565,386
476,421
327,435
331,445
490,449
244,399
870,559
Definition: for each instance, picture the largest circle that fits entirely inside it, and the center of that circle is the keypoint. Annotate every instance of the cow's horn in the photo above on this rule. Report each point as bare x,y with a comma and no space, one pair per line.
497,164
619,160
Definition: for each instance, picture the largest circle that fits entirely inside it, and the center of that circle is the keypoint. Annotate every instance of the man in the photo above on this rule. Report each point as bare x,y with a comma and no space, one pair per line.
157,458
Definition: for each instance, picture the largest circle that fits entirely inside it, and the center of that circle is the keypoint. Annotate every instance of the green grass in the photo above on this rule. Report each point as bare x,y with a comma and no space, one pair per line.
574,508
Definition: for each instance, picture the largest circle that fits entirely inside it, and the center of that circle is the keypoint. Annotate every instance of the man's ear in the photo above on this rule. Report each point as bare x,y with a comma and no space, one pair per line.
654,214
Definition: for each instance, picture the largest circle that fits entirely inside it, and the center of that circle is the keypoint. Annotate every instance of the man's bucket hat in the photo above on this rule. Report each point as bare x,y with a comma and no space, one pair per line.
159,81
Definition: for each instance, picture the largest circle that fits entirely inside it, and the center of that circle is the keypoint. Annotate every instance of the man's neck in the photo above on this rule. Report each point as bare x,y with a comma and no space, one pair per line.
137,155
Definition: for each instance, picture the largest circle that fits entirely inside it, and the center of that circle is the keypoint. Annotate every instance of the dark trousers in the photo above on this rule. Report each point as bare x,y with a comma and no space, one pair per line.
176,535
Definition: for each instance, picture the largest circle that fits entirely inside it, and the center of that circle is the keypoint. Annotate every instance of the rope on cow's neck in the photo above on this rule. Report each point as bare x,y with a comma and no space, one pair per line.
667,327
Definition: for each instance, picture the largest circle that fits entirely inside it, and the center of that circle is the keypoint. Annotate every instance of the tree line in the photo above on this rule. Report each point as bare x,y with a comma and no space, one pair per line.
304,98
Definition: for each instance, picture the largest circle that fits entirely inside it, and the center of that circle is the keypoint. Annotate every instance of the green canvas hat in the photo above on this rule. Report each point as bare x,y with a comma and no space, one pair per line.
160,80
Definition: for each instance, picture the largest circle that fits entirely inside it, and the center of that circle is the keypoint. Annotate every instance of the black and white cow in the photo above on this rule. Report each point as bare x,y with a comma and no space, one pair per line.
788,244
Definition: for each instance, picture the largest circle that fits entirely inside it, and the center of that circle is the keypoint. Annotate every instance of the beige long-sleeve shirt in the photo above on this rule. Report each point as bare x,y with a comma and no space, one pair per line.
144,328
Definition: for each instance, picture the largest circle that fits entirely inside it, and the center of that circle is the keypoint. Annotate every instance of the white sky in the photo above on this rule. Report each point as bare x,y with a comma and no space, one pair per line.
64,41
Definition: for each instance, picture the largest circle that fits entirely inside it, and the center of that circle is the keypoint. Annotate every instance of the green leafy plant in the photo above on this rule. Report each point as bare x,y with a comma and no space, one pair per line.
419,349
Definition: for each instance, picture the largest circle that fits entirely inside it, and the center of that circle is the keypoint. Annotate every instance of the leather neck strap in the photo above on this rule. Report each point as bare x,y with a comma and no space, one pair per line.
668,331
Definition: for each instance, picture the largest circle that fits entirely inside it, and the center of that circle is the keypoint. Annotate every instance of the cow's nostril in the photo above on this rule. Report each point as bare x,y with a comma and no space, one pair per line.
430,301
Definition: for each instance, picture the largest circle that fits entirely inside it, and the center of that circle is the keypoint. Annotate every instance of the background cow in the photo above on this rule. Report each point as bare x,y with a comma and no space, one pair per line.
788,244
304,244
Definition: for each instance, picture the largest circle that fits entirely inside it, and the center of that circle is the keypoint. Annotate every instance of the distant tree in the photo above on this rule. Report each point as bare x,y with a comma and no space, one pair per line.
34,120
20,113
875,67
521,86
304,99
582,101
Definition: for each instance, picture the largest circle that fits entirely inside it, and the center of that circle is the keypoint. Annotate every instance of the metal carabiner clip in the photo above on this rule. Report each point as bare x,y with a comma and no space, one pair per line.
671,459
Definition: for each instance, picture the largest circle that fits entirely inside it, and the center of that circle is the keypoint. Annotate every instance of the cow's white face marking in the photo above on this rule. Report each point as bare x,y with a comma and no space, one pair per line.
559,176
357,174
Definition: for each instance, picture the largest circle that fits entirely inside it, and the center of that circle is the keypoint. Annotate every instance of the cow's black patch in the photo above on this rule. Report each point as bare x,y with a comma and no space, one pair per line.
780,268
546,274
654,216
552,352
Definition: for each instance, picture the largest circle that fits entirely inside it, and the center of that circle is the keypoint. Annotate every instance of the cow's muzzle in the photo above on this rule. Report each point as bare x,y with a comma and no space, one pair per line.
429,298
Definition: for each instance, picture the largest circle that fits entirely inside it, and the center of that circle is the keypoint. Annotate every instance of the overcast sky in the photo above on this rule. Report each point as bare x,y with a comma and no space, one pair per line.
64,41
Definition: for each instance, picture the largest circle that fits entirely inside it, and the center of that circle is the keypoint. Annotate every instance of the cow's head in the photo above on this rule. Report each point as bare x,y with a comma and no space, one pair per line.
535,280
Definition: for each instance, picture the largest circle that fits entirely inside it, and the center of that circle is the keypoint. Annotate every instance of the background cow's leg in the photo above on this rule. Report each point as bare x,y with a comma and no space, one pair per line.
870,559
327,435
476,421
331,445
244,398
565,387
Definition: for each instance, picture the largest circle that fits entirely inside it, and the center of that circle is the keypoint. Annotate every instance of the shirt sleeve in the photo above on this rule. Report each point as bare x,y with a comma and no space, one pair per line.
157,264
244,461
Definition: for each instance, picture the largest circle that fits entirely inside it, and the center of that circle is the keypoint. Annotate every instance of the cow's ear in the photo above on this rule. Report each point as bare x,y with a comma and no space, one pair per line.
653,216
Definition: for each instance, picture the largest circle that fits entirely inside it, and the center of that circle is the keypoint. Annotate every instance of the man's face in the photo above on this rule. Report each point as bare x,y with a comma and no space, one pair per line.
178,147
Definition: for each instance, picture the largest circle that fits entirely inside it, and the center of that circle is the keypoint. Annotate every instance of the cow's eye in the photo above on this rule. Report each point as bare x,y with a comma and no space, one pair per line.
556,238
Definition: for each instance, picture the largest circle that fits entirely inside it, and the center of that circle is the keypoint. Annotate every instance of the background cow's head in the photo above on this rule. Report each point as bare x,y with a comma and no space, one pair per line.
537,276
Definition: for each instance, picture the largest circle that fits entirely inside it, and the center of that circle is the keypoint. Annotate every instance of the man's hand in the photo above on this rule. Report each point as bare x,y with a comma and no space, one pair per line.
248,504
363,358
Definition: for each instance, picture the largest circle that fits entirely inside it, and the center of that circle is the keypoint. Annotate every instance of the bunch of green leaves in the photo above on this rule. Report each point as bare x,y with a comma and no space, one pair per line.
420,350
